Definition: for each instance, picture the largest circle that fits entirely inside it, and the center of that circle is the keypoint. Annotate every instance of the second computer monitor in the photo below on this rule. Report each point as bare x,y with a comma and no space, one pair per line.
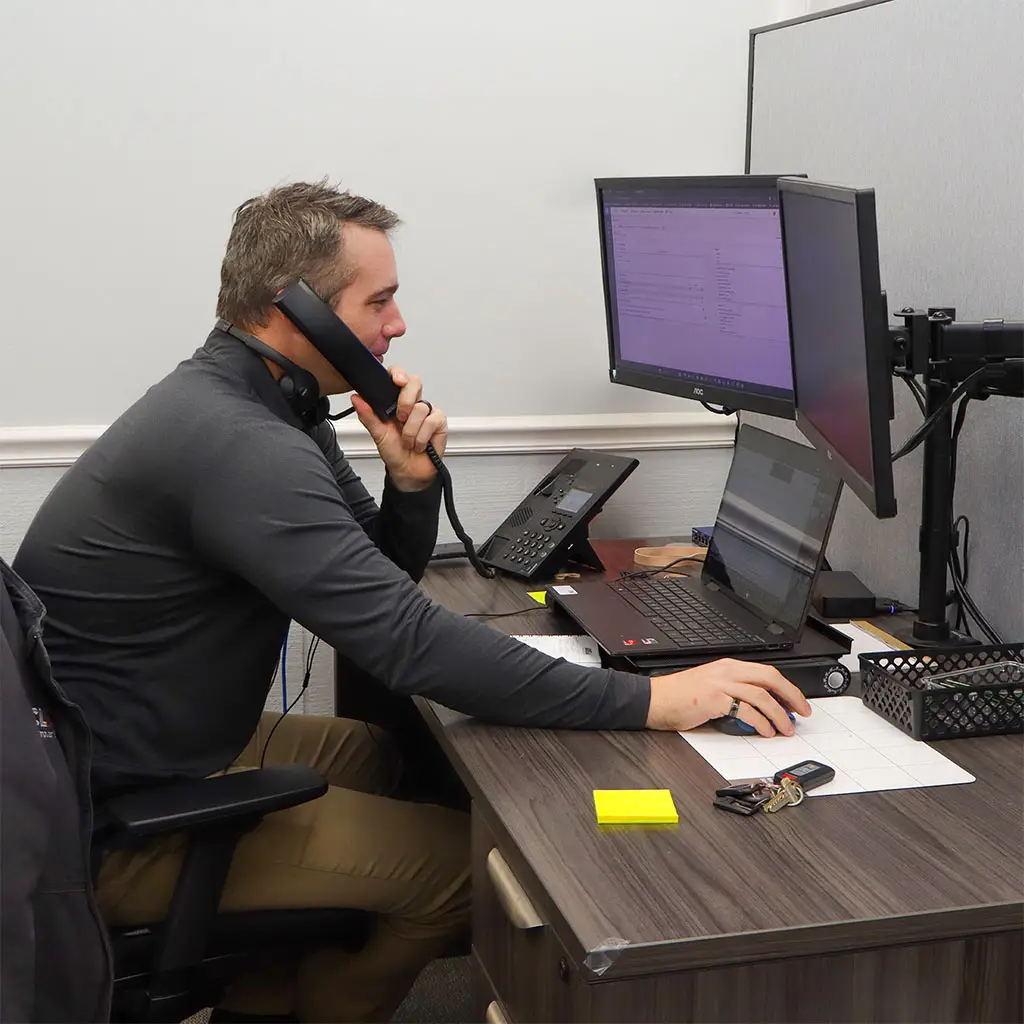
841,367
695,294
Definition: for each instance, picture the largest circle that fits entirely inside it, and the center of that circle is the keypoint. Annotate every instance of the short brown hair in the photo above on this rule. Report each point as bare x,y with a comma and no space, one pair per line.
288,233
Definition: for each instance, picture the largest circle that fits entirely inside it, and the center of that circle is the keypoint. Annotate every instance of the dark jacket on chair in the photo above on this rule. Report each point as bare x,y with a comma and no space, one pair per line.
55,962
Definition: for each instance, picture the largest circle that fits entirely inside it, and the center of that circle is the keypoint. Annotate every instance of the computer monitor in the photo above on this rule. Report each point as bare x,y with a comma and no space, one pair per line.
842,373
694,290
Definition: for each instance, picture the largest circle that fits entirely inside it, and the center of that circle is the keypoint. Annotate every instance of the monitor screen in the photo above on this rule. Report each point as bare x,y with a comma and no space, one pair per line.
772,525
694,289
842,376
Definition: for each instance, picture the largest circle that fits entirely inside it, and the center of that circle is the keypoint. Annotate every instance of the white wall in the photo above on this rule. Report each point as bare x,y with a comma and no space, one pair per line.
783,10
132,130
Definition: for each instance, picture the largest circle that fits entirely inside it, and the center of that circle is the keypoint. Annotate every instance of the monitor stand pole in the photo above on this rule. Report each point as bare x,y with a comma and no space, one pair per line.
931,625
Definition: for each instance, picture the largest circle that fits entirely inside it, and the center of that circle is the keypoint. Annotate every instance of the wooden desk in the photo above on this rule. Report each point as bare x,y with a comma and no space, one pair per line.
896,906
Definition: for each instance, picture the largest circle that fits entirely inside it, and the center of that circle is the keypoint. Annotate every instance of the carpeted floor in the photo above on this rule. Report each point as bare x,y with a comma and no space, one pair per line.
442,994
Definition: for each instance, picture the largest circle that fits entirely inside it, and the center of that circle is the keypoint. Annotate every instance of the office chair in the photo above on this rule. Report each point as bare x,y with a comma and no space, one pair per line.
163,970
167,970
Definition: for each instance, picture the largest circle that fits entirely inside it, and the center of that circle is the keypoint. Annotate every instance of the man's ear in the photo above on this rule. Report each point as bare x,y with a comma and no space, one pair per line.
279,322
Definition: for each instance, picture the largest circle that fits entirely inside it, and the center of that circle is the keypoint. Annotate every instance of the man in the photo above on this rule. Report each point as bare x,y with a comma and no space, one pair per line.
172,555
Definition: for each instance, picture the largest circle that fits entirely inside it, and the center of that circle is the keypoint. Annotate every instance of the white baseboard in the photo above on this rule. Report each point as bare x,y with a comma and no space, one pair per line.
27,447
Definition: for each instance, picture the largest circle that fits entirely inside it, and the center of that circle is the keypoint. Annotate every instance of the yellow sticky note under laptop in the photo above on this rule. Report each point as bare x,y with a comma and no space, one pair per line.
634,807
539,596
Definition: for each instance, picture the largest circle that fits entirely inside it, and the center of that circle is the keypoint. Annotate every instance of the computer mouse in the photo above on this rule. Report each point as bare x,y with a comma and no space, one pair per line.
737,727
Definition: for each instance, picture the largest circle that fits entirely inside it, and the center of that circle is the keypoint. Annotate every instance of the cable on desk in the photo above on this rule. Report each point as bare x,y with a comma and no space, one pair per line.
635,574
501,615
447,555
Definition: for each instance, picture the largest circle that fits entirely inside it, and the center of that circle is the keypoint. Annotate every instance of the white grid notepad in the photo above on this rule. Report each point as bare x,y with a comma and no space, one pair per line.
580,650
867,752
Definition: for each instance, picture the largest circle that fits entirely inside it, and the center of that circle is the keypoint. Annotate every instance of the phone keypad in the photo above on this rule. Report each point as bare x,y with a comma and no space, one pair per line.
529,549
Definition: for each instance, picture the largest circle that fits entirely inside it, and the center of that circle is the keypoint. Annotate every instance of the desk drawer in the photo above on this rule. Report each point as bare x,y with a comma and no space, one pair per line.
525,967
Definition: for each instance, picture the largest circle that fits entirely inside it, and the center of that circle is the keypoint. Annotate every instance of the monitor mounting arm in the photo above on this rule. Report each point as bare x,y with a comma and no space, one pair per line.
945,353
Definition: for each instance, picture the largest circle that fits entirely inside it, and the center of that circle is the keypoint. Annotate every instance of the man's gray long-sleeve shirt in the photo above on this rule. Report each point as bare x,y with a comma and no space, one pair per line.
172,555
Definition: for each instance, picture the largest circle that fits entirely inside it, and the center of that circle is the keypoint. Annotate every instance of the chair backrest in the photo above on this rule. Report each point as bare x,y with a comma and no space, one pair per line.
55,962
55,954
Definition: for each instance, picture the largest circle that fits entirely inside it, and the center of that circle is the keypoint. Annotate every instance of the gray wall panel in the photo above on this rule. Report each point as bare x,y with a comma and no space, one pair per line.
922,100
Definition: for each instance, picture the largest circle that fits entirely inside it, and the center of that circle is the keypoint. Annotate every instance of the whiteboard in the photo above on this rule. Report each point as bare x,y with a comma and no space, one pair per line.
132,130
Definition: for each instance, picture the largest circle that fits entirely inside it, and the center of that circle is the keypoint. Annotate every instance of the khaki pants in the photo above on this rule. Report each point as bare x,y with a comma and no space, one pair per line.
353,847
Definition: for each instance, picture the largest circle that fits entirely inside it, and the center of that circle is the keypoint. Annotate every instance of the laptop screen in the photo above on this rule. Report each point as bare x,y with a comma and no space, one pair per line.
772,526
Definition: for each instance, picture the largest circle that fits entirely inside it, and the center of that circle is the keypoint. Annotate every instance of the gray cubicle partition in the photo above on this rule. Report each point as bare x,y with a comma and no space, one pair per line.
923,100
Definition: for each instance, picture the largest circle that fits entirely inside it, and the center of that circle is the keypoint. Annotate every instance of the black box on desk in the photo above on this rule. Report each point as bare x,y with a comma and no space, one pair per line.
841,595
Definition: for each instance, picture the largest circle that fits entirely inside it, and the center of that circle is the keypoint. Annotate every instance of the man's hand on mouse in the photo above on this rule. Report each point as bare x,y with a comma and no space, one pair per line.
684,700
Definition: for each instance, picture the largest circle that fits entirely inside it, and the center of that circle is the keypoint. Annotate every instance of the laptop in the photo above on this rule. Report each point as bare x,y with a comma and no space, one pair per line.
754,588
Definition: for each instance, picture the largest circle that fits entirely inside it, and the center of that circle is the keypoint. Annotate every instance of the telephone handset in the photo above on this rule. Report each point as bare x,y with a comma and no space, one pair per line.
331,336
334,340
549,528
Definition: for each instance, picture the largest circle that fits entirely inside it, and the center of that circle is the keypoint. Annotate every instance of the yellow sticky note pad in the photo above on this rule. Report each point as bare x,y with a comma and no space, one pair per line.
635,806
538,595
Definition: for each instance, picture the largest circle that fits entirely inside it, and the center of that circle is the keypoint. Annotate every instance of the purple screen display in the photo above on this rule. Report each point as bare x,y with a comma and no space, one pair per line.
700,290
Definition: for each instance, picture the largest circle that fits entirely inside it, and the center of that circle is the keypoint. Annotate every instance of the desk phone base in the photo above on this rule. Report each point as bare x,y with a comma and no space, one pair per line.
548,530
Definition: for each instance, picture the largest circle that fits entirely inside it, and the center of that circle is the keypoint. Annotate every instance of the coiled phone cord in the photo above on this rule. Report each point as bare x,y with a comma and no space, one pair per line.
449,504
453,517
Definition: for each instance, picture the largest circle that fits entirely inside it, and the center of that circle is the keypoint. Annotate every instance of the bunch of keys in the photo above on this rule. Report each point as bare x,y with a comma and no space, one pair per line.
787,788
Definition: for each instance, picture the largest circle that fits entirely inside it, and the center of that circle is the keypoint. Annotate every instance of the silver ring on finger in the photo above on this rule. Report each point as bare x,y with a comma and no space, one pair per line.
734,708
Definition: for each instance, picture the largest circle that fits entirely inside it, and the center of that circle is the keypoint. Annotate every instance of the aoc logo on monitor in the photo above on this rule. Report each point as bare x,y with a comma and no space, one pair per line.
698,391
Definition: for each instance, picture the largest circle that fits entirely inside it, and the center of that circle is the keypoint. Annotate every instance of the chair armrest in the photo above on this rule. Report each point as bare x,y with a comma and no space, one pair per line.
180,806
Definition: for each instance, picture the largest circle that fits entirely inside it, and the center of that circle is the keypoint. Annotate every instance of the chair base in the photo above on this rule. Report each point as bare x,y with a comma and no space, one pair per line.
233,941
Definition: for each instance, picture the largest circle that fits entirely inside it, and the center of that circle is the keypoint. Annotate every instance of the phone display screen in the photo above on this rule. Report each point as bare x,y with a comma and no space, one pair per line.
574,500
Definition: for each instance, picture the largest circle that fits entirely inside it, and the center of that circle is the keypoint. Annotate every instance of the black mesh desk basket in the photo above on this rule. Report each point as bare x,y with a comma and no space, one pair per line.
947,694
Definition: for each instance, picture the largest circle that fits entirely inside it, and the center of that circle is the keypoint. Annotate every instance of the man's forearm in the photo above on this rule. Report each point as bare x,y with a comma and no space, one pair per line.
407,525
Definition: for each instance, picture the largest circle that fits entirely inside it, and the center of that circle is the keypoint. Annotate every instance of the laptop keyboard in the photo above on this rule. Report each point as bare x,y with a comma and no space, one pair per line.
680,614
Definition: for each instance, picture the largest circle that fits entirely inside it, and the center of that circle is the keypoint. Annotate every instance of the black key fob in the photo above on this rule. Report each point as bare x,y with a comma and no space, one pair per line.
809,774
